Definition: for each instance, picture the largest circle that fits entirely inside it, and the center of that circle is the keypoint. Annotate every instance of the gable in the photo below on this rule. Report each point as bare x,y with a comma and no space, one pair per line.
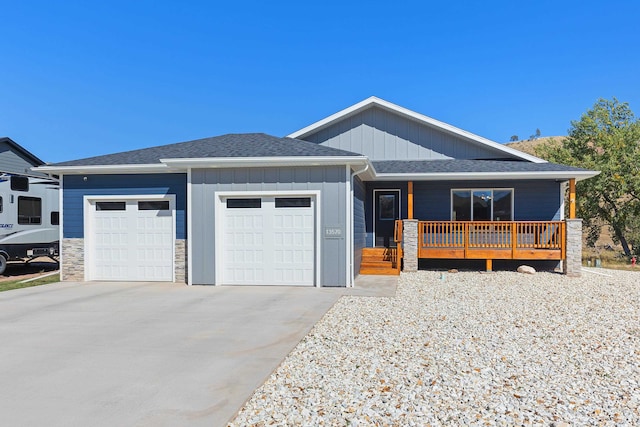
384,135
14,159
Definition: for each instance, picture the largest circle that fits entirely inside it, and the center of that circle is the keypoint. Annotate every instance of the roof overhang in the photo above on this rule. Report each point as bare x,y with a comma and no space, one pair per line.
107,169
181,165
486,176
421,118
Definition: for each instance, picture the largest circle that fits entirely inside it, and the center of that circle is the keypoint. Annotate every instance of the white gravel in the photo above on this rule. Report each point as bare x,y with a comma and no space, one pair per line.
467,349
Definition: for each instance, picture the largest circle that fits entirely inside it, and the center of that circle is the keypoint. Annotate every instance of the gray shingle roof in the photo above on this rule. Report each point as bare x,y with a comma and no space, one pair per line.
230,145
467,166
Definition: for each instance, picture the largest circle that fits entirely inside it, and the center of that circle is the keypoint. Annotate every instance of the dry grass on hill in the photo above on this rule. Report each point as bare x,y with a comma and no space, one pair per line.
529,146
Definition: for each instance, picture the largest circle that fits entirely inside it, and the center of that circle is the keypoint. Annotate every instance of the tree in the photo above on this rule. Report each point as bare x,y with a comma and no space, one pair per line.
538,133
514,138
606,138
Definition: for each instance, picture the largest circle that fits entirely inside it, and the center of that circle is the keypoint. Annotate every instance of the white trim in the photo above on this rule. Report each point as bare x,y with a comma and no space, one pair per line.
189,219
108,169
219,209
461,176
492,189
61,225
88,200
348,225
386,105
375,203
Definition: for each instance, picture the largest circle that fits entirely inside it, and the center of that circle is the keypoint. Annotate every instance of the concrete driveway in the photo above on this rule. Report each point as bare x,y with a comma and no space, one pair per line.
144,354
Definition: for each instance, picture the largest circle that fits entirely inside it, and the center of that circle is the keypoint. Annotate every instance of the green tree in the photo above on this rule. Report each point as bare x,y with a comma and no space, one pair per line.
606,138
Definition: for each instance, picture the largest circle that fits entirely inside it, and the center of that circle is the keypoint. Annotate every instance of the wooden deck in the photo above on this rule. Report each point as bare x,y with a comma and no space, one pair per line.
525,240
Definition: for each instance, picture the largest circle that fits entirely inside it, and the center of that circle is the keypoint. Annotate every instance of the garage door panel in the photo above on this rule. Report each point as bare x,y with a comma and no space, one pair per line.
134,243
268,245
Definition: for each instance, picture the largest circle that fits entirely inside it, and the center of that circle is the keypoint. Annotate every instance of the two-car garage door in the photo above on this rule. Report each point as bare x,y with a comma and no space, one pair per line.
267,240
130,239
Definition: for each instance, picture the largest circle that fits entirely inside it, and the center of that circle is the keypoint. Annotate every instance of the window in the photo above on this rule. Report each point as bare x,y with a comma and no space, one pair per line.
153,205
19,183
55,218
111,206
293,202
244,203
29,210
387,207
482,205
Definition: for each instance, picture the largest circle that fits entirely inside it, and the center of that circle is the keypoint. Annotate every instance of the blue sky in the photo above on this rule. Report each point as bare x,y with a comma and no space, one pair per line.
81,78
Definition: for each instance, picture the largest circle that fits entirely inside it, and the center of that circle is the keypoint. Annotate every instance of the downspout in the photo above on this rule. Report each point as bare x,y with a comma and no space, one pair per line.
352,261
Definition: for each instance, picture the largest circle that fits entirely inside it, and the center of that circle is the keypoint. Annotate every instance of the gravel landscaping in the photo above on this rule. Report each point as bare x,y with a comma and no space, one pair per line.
467,348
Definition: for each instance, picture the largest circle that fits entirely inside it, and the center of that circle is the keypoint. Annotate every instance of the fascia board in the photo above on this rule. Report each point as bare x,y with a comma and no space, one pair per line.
108,169
483,176
415,116
226,162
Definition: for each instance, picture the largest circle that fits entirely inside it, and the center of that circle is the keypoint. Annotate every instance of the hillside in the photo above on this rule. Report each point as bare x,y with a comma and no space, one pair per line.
529,146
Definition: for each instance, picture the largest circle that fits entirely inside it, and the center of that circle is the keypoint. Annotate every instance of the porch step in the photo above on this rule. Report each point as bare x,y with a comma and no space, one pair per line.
379,271
379,261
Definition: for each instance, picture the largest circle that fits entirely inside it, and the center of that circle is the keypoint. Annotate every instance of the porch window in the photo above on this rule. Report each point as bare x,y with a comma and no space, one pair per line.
482,204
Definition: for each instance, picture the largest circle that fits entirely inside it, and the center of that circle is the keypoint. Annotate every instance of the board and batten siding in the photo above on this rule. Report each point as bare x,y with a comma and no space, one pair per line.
75,188
534,200
383,135
359,223
330,180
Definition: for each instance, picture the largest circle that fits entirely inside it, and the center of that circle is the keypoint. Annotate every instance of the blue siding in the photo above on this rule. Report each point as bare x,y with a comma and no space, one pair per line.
359,227
75,188
533,200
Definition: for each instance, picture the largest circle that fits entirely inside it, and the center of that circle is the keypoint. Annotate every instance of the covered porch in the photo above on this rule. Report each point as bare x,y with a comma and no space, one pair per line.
549,240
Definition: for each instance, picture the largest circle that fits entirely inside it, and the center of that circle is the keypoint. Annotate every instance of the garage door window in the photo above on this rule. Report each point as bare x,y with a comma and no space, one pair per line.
152,205
244,203
111,206
293,202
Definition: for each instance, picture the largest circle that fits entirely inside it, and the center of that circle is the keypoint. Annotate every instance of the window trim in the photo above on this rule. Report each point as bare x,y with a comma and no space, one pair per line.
491,189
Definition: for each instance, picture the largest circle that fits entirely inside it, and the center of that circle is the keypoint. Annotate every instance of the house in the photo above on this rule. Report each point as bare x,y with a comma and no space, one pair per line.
316,207
16,160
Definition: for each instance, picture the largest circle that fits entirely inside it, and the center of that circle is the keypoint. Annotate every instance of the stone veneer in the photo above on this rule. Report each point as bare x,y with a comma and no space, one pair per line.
73,260
72,268
572,264
180,261
410,244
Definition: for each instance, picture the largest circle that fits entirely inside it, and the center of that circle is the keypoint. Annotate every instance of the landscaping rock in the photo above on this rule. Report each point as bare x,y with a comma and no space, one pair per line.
526,269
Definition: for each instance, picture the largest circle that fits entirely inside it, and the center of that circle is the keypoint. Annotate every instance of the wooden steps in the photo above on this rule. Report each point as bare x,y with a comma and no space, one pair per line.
380,261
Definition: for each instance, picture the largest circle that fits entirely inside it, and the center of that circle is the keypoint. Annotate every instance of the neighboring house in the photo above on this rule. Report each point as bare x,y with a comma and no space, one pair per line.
16,160
311,208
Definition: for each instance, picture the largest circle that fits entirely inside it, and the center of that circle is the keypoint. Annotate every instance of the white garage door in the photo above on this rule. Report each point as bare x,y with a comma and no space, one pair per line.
131,240
268,240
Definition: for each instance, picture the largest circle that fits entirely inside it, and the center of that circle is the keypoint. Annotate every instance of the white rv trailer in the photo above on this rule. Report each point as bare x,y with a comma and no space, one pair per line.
29,218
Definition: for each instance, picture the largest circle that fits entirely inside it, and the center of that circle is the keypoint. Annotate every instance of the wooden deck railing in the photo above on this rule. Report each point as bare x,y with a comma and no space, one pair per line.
397,237
492,239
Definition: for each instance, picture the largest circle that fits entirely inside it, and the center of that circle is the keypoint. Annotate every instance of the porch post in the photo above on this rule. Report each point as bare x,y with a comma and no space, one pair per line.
410,200
572,263
572,198
410,244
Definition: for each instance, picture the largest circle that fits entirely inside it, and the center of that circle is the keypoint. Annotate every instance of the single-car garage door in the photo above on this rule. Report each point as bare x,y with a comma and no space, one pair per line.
130,239
268,240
